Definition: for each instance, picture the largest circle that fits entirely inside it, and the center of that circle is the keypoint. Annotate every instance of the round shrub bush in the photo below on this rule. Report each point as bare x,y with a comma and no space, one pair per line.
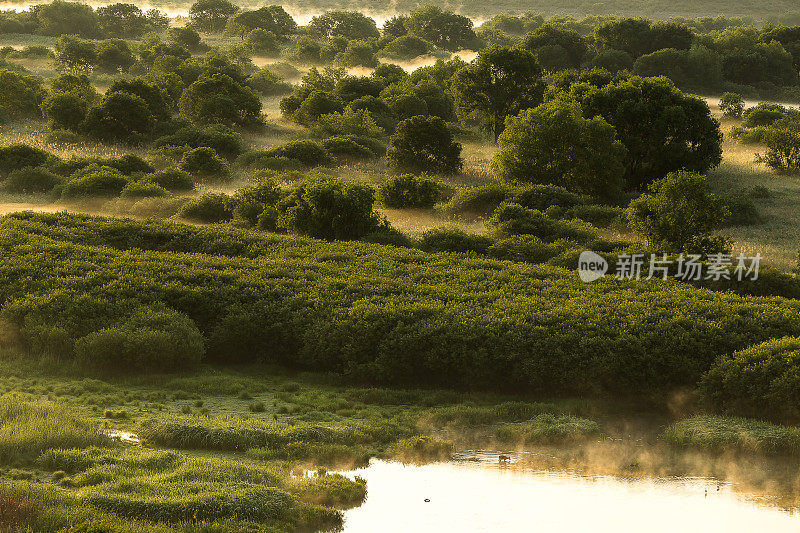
409,191
171,179
150,341
424,144
446,239
309,153
209,208
30,180
142,189
761,381
95,180
17,156
345,149
205,165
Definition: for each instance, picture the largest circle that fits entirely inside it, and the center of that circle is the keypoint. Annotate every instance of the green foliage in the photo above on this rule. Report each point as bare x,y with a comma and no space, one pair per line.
446,239
222,139
29,428
64,111
309,153
782,139
406,47
725,435
424,144
760,381
548,429
74,55
218,98
444,29
409,190
500,82
421,448
315,105
172,179
327,208
22,95
268,83
94,181
209,208
731,104
211,15
555,144
31,180
557,47
348,24
205,165
514,219
662,129
389,314
679,211
120,116
143,189
763,114
146,342
18,156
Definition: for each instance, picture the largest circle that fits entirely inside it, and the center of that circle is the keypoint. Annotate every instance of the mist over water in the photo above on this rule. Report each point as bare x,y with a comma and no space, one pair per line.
472,496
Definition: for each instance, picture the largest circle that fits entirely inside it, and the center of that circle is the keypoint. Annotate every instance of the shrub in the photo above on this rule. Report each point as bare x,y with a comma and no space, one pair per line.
762,380
731,104
542,197
407,47
147,342
94,180
171,179
763,114
209,208
783,146
268,83
223,140
219,99
447,239
527,248
315,105
679,211
142,189
479,200
345,149
409,191
205,165
64,111
424,144
30,180
120,116
743,211
18,156
309,153
130,164
514,219
22,95
330,209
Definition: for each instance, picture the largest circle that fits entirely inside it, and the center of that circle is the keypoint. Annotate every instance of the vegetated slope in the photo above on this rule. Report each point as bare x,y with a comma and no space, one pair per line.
376,313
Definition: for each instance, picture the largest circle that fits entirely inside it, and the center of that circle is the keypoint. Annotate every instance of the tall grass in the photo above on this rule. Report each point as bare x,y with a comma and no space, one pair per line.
729,434
29,428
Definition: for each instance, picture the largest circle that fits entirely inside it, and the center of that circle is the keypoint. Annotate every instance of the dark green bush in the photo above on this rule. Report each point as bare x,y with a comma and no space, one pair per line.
94,180
210,208
409,191
763,114
514,219
171,179
446,239
203,164
30,180
527,248
761,381
143,189
149,341
309,153
224,140
543,196
17,156
479,200
344,149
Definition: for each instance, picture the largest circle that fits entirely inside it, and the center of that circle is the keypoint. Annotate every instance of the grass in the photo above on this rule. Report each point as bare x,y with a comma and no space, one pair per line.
729,434
548,429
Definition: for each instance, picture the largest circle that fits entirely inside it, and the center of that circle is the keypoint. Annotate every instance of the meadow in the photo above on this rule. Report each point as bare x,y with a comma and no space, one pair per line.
245,249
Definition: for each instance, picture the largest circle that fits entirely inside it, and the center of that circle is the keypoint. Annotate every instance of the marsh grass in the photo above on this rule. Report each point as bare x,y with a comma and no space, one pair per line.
548,429
738,435
29,428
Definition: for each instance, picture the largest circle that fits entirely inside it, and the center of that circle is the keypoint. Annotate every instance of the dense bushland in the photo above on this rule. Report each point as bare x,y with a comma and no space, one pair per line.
382,314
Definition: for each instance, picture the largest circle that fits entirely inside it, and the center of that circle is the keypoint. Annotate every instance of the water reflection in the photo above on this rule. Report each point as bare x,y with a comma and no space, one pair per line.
484,495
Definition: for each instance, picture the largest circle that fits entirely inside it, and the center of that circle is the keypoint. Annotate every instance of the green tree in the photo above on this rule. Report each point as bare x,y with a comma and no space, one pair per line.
205,165
678,213
782,140
157,100
348,24
268,18
424,144
731,104
66,18
187,37
328,208
211,15
219,99
64,110
554,144
663,129
125,21
263,43
120,116
553,38
22,95
444,29
114,56
74,55
500,82
630,35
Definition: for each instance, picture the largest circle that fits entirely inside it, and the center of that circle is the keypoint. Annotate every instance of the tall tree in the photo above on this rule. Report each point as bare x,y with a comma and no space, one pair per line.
500,82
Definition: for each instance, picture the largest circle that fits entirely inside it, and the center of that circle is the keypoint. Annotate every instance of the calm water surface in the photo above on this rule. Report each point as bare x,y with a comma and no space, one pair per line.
468,496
